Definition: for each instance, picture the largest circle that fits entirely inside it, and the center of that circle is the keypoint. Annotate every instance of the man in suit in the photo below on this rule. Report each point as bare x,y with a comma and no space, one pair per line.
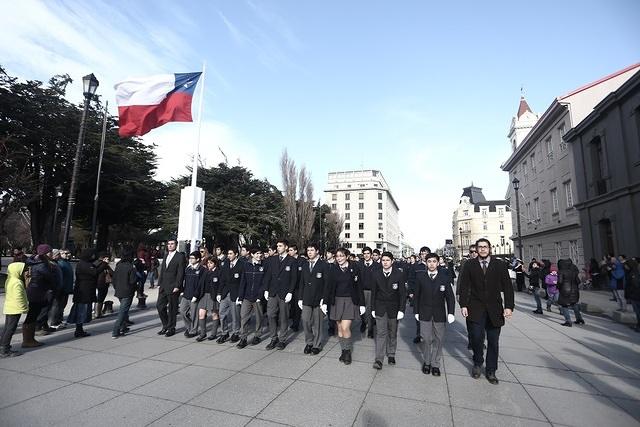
311,289
280,281
472,254
170,285
432,301
367,268
483,281
388,296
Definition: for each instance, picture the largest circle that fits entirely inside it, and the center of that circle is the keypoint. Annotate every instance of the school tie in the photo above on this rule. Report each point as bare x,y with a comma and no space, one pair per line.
432,275
484,267
311,264
386,274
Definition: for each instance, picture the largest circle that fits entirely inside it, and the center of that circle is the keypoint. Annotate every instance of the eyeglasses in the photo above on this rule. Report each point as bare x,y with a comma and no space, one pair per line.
483,247
473,252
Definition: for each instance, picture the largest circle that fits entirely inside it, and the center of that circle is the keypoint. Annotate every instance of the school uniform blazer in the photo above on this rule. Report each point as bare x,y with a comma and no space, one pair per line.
433,299
388,294
194,280
172,275
252,282
412,271
232,278
282,276
212,283
357,293
481,292
366,273
313,284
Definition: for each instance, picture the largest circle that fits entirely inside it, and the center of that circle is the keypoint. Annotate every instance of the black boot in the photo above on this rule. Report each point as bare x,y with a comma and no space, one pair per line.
347,357
342,356
80,332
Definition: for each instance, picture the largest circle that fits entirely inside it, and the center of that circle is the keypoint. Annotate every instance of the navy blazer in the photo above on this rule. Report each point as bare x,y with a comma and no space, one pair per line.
231,279
433,296
282,276
313,283
388,294
252,282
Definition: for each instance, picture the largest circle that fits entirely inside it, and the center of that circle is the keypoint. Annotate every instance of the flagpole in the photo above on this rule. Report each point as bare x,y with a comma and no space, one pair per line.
94,221
194,173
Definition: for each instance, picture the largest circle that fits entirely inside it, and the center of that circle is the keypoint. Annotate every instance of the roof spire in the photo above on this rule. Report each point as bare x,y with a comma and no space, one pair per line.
523,107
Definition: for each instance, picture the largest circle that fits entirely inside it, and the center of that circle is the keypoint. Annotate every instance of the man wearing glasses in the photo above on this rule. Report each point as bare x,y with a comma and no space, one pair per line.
472,254
482,281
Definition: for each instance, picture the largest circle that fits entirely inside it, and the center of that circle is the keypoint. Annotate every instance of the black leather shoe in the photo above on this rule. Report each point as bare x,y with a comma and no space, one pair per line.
347,357
272,344
281,345
377,365
242,343
491,377
223,339
235,338
476,371
162,331
417,339
370,334
189,335
580,322
212,337
435,372
392,360
255,341
538,312
315,351
307,349
201,338
426,369
170,332
342,356
566,324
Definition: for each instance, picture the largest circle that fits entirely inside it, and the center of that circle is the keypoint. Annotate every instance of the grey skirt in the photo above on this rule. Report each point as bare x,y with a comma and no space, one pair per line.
208,303
344,309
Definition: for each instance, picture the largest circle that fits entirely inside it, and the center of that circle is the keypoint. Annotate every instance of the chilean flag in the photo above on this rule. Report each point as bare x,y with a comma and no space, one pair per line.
149,102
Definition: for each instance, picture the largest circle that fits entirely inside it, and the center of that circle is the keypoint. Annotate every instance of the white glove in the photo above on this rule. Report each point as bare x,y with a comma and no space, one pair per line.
300,304
194,299
219,298
451,318
323,308
258,300
288,297
266,295
400,315
238,302
362,310
373,314
417,316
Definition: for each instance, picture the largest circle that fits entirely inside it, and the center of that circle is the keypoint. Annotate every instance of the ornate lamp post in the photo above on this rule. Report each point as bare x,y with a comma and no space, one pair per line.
516,187
89,84
461,248
55,231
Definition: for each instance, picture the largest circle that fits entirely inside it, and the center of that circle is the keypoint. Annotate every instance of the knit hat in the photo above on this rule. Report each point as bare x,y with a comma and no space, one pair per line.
43,249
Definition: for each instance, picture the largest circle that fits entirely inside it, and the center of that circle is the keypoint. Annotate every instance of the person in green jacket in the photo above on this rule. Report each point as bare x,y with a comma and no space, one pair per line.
15,304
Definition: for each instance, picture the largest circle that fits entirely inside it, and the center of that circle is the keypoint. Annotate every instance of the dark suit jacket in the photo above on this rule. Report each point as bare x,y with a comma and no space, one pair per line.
231,279
481,292
312,285
388,294
282,276
172,275
357,293
433,296
366,273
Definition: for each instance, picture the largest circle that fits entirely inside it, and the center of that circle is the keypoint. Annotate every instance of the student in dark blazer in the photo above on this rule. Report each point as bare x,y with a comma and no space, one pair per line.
280,282
367,268
388,299
484,280
295,312
419,267
250,293
228,297
434,303
311,289
169,287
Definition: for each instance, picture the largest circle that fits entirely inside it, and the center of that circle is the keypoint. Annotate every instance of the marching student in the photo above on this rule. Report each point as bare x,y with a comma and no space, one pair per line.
207,299
388,302
367,268
311,290
345,296
194,276
295,311
434,304
250,293
419,267
228,297
280,282
330,259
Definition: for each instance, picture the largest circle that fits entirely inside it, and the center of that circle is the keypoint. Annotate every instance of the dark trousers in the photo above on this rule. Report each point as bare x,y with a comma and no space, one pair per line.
57,309
102,293
167,306
295,312
478,330
10,326
43,315
123,315
34,311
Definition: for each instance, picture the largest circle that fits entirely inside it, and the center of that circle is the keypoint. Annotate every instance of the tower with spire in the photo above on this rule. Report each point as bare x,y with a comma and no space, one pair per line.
522,123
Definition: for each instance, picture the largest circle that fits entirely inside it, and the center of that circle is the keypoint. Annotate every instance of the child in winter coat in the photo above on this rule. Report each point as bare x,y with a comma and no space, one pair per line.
551,280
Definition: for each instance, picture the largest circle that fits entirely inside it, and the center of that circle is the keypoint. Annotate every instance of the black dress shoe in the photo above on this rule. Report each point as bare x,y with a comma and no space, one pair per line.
537,312
580,322
342,356
566,324
255,341
242,343
281,345
223,339
235,338
212,337
476,371
162,331
392,360
435,372
347,357
426,369
370,334
307,349
189,334
417,339
315,350
491,377
201,338
377,365
170,332
272,344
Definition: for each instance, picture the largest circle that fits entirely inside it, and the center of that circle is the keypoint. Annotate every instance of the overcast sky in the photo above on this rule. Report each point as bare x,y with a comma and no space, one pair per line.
422,91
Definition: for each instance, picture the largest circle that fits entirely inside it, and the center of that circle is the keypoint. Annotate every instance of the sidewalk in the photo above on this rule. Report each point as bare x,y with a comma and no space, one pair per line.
549,375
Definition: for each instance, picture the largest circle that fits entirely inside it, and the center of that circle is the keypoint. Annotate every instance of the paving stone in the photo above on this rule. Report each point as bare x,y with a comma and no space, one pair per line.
624,387
81,368
233,359
195,416
357,376
553,378
147,347
315,399
594,363
410,384
390,411
257,422
132,376
184,384
192,353
560,407
530,357
631,406
17,386
99,342
284,365
39,357
243,393
56,406
462,366
126,409
505,398
472,418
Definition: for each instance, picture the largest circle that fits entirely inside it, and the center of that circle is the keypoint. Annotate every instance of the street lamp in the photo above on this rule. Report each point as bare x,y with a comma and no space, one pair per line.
461,250
55,231
516,187
89,84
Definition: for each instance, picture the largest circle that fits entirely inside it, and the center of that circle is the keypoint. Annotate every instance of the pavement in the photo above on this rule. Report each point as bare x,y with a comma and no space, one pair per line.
549,375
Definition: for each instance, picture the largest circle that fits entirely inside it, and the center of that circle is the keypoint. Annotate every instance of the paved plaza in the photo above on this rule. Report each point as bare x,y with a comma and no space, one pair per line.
549,375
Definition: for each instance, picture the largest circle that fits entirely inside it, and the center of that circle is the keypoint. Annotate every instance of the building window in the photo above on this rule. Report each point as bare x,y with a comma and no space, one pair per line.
501,225
361,226
347,235
554,200
569,193
347,216
347,206
558,246
525,172
360,196
334,197
563,144
573,251
360,235
378,245
484,212
484,226
528,206
360,245
347,245
549,145
347,226
361,215
380,216
532,160
334,206
379,196
536,207
598,166
360,205
465,213
347,196
500,211
380,226
380,236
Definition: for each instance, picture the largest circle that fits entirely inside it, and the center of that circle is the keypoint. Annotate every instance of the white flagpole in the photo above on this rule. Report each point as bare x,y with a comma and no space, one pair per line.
196,151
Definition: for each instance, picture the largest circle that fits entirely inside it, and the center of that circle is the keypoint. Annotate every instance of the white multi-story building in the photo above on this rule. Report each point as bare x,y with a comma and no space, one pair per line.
477,217
363,199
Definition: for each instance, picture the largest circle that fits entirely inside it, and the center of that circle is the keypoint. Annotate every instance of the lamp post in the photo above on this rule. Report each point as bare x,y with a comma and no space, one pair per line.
94,221
55,231
516,187
89,84
461,249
